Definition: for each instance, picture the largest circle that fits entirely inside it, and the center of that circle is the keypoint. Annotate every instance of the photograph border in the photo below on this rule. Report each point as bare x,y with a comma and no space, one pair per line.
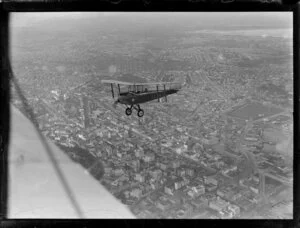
145,6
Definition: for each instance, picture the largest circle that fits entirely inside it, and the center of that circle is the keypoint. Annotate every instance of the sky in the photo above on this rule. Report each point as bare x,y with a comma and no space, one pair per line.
271,19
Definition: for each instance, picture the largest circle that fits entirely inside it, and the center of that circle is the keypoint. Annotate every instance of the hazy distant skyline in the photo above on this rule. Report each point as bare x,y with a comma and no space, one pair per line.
218,19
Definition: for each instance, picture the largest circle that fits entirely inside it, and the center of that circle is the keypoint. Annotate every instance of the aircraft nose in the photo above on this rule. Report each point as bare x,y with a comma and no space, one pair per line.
121,99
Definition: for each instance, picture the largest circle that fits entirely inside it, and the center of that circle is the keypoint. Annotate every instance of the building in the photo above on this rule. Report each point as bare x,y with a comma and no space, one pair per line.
169,188
244,204
218,204
181,149
190,172
162,166
254,189
243,183
253,185
154,184
107,170
137,193
235,196
163,204
219,164
149,157
197,148
221,192
200,202
180,172
251,139
136,165
118,172
139,177
180,182
175,164
139,152
156,174
226,214
235,209
210,180
119,154
211,187
210,141
196,191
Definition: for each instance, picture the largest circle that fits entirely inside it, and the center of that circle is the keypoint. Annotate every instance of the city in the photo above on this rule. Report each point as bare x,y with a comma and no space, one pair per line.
222,147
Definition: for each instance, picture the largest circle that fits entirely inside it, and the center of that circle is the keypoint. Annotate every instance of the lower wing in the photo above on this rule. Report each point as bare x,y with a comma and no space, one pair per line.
35,189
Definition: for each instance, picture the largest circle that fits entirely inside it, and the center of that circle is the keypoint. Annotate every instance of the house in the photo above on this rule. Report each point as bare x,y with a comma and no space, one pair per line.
149,157
181,149
119,154
199,202
211,187
169,188
200,189
135,164
190,172
210,180
226,214
235,209
163,204
218,204
243,183
107,170
162,166
180,172
175,164
137,193
139,153
235,196
154,185
179,183
118,172
221,192
156,174
254,189
139,177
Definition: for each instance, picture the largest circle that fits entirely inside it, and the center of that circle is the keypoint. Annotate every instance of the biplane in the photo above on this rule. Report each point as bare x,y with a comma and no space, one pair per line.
138,93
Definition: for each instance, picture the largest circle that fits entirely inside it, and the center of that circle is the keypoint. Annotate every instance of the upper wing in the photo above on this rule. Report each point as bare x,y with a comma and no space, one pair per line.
35,191
138,83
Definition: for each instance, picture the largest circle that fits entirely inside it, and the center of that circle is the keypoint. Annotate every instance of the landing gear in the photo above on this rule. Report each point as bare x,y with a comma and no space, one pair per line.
128,111
140,113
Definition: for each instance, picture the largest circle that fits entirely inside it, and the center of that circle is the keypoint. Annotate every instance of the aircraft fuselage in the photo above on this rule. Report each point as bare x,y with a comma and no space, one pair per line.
139,98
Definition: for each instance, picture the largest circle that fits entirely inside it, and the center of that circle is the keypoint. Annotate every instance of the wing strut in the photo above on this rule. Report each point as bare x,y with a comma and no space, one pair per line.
165,93
112,90
119,89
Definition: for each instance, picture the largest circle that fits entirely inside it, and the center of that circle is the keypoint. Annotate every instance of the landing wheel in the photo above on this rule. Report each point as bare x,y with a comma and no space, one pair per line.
140,113
128,111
